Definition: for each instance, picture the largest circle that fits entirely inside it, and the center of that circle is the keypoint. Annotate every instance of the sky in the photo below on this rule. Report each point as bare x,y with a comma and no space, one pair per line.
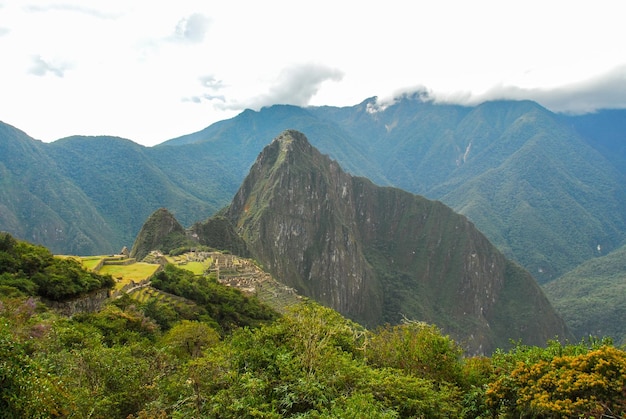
150,71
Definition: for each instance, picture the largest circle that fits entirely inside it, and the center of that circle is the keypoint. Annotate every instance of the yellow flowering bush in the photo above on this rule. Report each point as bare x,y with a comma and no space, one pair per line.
582,385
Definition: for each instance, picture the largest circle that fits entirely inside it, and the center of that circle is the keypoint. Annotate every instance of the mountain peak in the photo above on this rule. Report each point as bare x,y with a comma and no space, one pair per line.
292,140
291,147
161,231
376,253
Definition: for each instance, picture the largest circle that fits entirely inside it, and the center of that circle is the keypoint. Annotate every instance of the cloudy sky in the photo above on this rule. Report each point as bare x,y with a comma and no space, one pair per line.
150,71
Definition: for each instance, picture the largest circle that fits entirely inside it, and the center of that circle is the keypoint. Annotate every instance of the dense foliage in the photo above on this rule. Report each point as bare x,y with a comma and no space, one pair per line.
310,363
231,357
27,269
223,307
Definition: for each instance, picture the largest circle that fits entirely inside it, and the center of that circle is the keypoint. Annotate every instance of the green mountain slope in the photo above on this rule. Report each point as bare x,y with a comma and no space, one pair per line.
40,204
376,254
123,181
592,297
239,140
543,194
548,202
605,131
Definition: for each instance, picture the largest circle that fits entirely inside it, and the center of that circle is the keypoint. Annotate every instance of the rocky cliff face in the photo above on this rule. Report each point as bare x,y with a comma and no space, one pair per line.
379,254
217,232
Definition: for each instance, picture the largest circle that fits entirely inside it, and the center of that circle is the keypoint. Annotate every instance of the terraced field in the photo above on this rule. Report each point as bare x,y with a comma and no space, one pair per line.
132,273
144,294
198,263
133,277
91,262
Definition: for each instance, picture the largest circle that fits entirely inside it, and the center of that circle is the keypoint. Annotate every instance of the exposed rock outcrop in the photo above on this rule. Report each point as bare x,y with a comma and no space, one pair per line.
377,254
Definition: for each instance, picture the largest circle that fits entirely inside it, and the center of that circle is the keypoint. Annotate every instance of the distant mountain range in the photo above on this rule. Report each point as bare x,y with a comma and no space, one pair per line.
548,190
592,297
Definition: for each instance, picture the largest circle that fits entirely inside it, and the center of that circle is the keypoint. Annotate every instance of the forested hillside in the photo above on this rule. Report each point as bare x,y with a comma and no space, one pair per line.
592,297
237,359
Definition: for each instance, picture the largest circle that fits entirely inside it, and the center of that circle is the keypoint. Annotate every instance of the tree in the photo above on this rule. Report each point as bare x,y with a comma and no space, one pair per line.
417,348
188,339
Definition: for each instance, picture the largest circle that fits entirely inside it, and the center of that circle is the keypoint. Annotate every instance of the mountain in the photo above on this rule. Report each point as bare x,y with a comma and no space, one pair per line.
546,189
40,204
545,195
160,232
541,186
603,130
376,254
592,297
124,182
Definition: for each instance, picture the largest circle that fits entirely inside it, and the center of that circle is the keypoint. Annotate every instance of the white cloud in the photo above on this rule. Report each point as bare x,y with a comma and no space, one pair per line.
150,71
42,67
68,7
604,91
193,28
296,85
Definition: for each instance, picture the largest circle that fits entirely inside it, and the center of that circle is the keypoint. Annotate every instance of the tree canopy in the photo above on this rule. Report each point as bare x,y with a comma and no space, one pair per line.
28,269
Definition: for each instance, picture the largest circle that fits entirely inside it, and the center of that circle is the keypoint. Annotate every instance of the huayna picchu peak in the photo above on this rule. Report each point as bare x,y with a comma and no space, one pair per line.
380,254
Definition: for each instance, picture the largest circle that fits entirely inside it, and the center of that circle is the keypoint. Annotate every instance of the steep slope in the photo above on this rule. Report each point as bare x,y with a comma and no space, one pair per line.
218,232
376,254
123,181
604,130
39,204
161,231
592,297
542,193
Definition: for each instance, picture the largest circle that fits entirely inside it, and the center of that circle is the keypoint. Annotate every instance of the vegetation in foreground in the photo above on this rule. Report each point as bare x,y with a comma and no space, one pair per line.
29,269
145,359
